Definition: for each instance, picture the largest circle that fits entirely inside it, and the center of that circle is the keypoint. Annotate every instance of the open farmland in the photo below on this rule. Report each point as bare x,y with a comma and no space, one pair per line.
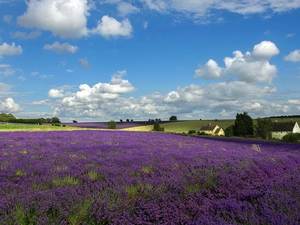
119,177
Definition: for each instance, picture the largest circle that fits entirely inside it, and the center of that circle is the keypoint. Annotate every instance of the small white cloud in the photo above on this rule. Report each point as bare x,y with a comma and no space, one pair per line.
290,35
110,27
293,56
126,8
64,18
7,49
7,72
70,71
25,36
9,106
145,25
265,50
21,78
7,18
63,48
210,70
84,62
34,73
54,93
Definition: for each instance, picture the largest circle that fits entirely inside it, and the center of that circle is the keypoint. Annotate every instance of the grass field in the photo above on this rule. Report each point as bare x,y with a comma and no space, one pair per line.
185,126
25,127
174,127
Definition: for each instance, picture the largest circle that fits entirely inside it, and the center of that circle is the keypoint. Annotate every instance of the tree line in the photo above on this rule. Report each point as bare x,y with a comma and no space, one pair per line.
9,118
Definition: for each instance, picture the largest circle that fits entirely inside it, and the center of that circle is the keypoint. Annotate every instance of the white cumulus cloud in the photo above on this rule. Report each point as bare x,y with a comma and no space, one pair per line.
9,106
265,50
64,18
293,56
61,48
210,70
25,36
7,49
249,67
110,27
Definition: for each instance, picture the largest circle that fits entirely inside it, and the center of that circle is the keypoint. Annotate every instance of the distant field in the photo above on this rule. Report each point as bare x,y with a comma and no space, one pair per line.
185,126
29,127
175,127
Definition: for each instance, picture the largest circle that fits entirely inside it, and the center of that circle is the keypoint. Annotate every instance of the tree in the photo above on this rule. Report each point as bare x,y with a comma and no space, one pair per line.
111,124
229,131
263,127
157,127
243,125
55,120
6,117
291,137
173,118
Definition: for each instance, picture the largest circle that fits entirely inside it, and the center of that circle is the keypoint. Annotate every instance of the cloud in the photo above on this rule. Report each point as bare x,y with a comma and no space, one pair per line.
265,50
7,18
145,25
290,35
63,48
9,106
88,99
293,56
54,93
64,18
109,26
25,36
7,49
4,88
210,70
241,7
125,9
249,67
84,62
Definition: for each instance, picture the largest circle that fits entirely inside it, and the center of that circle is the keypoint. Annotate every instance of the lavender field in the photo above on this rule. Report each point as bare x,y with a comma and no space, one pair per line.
118,177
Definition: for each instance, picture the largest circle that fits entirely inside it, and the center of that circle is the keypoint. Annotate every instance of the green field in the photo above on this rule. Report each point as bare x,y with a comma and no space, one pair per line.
26,127
185,126
174,127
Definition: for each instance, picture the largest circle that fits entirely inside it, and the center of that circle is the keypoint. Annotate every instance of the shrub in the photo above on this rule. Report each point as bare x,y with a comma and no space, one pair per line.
192,132
157,127
291,137
111,124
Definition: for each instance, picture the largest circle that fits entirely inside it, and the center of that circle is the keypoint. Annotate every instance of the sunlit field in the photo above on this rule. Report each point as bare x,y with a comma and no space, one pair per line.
119,177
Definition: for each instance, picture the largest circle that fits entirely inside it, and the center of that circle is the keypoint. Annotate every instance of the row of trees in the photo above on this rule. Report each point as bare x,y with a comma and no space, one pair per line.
12,119
243,127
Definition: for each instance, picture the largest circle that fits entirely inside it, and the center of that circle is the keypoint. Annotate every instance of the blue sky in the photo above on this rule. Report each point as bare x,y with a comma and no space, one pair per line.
106,60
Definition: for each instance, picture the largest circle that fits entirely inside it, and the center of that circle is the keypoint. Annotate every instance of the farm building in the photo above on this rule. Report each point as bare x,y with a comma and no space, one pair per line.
282,128
212,130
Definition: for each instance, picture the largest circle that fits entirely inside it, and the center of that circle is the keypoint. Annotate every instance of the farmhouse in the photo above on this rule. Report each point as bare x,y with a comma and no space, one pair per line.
282,128
212,130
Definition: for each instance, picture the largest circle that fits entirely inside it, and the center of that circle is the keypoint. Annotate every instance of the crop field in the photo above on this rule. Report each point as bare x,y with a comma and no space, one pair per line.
121,177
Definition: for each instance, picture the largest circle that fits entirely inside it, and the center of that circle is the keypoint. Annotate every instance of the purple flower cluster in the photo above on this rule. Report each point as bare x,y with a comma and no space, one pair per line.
118,177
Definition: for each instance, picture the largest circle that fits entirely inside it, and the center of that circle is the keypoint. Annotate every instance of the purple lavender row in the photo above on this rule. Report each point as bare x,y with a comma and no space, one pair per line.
115,177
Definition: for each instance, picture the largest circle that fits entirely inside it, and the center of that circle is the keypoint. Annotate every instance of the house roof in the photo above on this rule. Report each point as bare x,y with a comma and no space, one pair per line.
217,131
284,126
208,127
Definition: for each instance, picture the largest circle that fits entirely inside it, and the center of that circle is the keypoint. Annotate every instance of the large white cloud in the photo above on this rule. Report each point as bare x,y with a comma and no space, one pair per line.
64,18
204,8
9,106
61,48
249,67
293,56
96,94
110,27
7,49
